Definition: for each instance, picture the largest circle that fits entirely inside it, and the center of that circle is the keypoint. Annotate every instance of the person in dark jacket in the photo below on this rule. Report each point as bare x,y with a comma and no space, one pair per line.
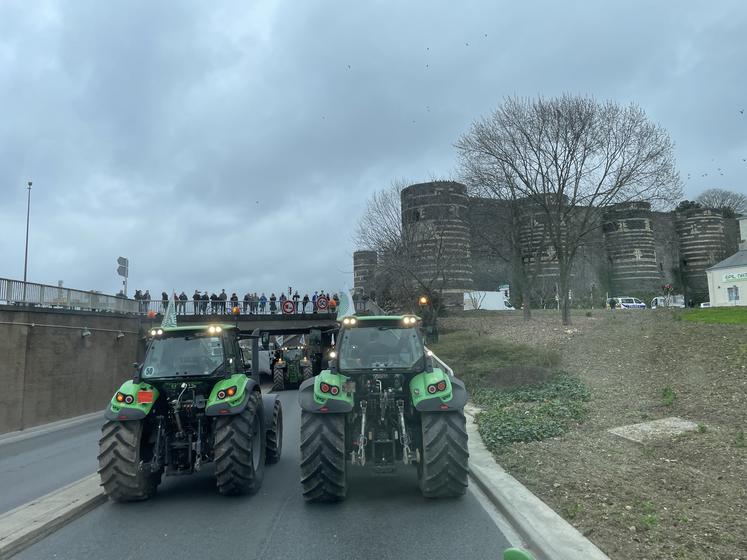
247,302
182,303
222,299
262,302
304,303
164,300
204,302
213,303
273,303
196,301
234,301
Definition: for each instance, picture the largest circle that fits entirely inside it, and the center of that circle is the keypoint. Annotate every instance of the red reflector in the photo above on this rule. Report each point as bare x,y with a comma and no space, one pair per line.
324,387
122,417
145,396
324,409
224,411
444,407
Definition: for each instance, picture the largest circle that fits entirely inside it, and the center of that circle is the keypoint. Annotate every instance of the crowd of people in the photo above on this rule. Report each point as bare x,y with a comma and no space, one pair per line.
252,303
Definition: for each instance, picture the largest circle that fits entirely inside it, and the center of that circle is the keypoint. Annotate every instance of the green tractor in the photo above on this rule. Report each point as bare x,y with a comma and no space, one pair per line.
381,404
292,366
190,403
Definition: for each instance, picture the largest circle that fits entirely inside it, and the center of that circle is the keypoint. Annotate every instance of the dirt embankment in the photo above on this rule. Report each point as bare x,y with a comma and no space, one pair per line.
683,497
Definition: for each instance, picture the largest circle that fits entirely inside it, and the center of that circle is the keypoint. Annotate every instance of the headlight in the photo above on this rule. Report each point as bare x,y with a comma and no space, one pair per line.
349,321
333,354
159,332
152,332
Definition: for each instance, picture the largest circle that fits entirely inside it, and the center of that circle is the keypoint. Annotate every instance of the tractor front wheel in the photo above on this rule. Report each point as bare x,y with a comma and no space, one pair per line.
323,467
122,448
278,379
443,467
240,450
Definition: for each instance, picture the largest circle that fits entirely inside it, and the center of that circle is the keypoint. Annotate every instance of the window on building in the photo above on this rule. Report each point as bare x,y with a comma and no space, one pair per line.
733,293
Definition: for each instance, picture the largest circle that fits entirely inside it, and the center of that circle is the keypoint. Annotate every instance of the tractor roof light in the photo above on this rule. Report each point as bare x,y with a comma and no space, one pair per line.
333,354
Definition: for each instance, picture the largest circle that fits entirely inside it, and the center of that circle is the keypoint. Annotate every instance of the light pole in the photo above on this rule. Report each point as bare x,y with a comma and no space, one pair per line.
26,256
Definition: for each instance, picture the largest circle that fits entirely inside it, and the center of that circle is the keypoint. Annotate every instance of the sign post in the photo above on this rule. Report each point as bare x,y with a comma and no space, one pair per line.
123,270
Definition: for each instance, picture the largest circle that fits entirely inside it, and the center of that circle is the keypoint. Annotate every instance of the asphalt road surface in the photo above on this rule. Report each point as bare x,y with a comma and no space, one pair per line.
384,517
42,463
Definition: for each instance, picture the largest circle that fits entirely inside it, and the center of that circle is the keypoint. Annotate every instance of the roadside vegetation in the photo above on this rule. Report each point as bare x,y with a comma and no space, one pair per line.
522,394
717,315
680,497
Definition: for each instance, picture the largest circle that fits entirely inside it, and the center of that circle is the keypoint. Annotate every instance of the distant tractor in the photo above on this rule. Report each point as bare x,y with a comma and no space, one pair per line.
383,404
293,365
189,403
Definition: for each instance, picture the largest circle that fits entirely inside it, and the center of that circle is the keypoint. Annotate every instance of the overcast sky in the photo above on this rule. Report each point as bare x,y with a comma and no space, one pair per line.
234,144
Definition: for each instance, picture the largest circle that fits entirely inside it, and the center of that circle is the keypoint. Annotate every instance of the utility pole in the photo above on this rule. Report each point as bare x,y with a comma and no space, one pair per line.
26,256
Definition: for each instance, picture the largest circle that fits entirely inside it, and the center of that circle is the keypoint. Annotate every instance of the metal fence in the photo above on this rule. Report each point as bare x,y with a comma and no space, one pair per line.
224,307
16,292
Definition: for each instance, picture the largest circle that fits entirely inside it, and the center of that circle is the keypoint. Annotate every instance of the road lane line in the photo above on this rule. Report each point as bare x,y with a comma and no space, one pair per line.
31,522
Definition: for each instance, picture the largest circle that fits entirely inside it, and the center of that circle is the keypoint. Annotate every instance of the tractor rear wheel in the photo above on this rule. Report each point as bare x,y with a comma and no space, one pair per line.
122,448
274,438
308,373
278,379
240,450
443,467
323,467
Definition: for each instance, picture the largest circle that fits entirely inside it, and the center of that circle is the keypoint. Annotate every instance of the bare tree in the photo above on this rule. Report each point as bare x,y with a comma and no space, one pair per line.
732,204
568,157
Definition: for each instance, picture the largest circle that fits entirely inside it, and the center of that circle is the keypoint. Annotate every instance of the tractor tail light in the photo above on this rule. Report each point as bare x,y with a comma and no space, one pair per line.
441,385
334,390
120,397
324,388
231,391
144,397
221,394
432,389
129,399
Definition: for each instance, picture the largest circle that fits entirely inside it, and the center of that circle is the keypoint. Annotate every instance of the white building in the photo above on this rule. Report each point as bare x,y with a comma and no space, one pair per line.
727,281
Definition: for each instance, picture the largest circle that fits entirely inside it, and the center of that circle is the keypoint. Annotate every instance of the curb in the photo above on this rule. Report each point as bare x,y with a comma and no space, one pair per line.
545,533
42,429
31,522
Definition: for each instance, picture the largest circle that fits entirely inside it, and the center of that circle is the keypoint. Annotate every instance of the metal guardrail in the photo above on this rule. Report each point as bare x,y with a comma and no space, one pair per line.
17,292
221,307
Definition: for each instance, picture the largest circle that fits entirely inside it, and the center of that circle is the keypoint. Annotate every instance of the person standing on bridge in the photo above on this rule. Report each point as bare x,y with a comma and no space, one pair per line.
196,301
146,301
234,301
213,304
296,297
204,302
313,302
262,303
273,303
247,304
164,300
304,303
332,306
223,297
183,302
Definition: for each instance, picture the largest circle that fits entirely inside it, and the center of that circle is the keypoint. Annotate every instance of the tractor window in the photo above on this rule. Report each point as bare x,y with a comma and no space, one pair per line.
381,348
176,356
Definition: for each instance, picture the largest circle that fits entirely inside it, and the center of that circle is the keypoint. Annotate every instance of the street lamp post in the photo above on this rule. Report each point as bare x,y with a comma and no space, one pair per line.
26,256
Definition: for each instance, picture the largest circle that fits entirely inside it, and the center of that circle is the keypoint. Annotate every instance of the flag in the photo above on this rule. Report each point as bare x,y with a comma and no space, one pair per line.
346,306
169,318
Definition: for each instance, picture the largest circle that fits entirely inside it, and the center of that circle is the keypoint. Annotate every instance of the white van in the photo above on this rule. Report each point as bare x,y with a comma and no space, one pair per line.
626,302
668,301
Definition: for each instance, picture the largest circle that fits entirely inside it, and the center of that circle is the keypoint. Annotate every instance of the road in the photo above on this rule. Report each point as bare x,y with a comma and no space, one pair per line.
383,517
45,462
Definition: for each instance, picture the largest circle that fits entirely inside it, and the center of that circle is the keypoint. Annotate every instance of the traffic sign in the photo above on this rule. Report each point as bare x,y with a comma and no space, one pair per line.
123,267
321,303
288,307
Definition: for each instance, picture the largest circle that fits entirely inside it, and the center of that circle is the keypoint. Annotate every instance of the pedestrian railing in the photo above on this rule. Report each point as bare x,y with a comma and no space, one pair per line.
225,307
17,292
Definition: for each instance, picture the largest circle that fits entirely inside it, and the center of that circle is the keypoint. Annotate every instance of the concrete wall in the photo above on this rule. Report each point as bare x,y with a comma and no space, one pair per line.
49,372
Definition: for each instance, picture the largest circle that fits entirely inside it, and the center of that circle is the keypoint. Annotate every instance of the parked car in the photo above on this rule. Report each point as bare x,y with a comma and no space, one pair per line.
705,304
625,302
668,301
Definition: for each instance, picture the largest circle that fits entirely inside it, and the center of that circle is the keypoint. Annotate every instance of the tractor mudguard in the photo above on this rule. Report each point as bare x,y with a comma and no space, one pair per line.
268,407
452,397
312,399
142,396
230,404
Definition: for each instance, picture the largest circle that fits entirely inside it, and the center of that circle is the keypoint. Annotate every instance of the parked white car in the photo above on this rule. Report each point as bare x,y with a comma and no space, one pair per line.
705,304
668,301
626,302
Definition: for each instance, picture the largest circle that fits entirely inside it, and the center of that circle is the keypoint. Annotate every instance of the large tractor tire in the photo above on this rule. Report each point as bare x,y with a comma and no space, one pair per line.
278,379
443,467
323,467
122,448
274,438
307,373
240,450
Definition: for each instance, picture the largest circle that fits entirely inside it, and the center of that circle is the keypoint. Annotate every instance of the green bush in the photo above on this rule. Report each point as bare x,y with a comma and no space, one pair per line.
530,414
